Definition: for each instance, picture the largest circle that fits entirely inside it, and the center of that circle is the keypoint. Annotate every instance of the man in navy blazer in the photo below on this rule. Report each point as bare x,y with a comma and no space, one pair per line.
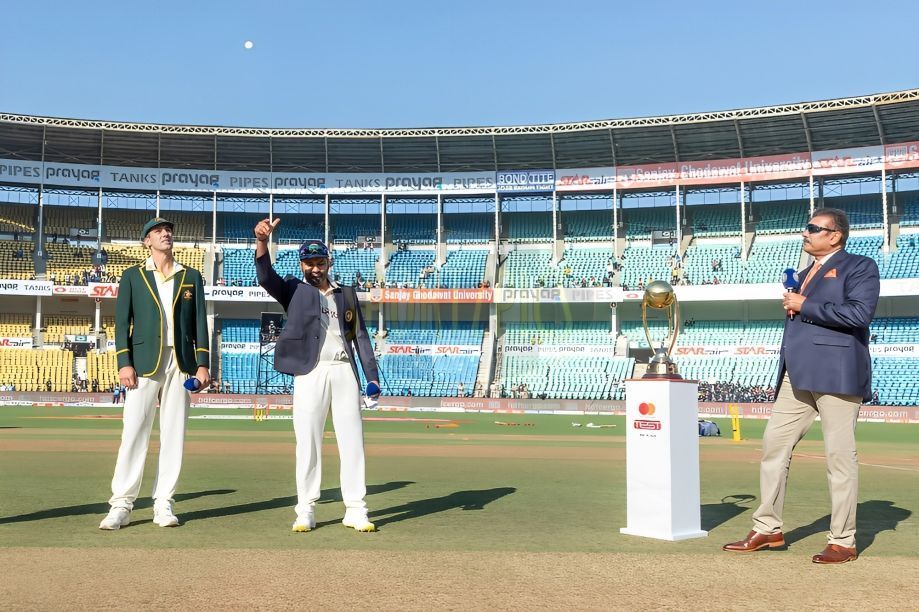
317,347
825,370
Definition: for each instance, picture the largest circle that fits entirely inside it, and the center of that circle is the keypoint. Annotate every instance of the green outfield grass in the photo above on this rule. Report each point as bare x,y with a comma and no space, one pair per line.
444,482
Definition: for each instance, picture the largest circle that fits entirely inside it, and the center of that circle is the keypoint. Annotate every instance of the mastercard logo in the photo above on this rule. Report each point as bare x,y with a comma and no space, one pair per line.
646,408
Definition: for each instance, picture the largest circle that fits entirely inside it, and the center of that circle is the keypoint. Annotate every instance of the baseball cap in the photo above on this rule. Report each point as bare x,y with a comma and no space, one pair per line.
313,248
155,222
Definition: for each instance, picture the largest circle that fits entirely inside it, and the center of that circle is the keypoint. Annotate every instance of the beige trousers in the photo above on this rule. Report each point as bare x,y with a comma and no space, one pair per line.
792,415
139,412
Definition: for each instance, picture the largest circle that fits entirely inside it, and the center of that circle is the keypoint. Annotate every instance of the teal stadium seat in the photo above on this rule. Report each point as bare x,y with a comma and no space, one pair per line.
594,377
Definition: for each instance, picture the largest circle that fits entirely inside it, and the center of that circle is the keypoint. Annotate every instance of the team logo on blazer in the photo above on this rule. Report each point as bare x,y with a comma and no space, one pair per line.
349,316
186,295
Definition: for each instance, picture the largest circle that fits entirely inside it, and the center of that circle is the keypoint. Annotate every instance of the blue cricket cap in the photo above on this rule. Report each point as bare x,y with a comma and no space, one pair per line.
313,248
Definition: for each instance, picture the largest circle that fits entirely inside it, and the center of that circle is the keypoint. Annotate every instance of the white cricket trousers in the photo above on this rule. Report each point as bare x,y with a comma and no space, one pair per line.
139,411
331,384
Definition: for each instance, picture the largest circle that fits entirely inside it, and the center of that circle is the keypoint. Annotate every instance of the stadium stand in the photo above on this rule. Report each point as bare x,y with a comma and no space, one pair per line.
781,217
407,267
17,218
643,264
525,269
428,375
126,224
57,326
15,325
287,262
237,226
347,228
869,246
751,371
715,220
108,327
239,370
895,330
299,227
588,225
640,222
16,260
894,381
120,224
413,229
462,228
528,227
864,211
904,262
355,266
585,266
462,269
910,206
707,263
239,267
557,374
69,265
768,258
60,219
36,369
102,367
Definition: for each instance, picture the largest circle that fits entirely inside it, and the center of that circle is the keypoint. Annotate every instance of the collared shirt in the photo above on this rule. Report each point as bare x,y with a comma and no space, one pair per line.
822,261
166,291
333,345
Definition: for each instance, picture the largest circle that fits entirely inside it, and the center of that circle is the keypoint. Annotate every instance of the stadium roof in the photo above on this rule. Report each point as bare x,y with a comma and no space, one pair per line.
791,128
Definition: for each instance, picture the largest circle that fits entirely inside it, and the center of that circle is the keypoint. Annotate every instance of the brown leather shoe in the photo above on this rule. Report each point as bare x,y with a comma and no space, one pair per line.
756,540
833,553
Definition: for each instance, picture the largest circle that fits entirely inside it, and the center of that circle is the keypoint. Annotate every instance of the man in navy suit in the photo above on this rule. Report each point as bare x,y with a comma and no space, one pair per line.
825,370
317,347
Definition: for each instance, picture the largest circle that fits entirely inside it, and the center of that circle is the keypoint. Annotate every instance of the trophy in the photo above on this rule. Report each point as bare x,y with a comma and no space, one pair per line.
661,296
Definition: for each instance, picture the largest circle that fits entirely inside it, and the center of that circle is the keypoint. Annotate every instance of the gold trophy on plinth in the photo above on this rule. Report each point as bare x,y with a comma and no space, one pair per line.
661,296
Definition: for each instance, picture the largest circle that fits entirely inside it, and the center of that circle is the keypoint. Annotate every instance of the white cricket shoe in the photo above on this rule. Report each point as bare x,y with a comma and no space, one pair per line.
356,518
115,519
305,522
163,516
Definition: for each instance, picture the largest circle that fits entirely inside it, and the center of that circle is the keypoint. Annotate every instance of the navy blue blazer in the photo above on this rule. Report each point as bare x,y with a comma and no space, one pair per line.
298,346
825,347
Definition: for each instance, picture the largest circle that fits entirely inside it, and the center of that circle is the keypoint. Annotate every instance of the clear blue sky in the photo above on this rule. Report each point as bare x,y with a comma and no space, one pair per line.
357,63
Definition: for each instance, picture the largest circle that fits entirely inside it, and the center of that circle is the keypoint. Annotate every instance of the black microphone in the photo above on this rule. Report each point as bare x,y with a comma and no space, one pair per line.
792,283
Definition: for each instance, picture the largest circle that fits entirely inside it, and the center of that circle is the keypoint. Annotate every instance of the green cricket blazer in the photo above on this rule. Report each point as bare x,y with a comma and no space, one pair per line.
139,324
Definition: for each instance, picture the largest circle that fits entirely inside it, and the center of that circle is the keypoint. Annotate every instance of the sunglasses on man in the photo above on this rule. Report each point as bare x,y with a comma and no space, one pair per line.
810,228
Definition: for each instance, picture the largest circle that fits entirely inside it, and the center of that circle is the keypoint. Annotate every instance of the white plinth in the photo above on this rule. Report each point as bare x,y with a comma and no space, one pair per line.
662,459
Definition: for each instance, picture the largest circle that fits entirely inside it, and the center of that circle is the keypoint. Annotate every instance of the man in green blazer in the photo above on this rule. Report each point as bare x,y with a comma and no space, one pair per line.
161,339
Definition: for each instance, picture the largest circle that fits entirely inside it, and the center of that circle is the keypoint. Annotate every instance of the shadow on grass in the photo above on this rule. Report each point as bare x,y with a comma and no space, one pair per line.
327,496
464,500
714,515
101,507
873,517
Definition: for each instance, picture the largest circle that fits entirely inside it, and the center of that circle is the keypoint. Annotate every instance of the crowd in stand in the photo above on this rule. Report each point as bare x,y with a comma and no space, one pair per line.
733,392
96,274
